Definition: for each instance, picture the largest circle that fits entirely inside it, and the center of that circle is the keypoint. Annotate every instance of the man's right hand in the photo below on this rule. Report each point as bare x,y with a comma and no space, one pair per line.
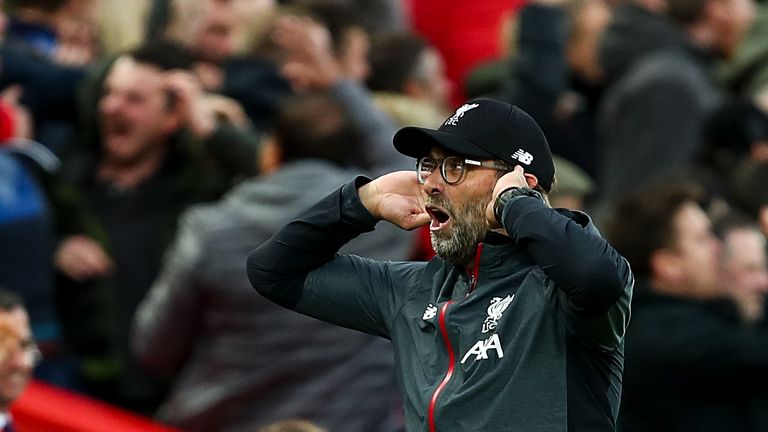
81,258
310,62
397,198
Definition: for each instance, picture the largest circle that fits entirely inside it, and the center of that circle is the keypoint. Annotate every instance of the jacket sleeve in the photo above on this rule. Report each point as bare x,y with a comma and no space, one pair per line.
164,325
299,267
596,281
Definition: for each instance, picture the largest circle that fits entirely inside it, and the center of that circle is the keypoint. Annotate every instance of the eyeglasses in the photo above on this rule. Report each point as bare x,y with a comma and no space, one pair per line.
453,168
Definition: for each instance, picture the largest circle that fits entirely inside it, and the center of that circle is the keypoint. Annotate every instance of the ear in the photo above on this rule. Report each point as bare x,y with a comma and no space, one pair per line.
664,265
270,156
531,180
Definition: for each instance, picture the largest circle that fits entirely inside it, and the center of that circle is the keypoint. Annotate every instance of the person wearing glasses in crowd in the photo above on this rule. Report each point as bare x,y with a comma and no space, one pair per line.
517,323
18,354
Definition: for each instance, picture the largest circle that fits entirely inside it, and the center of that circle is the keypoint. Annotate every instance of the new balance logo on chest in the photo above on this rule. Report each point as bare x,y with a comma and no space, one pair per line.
430,312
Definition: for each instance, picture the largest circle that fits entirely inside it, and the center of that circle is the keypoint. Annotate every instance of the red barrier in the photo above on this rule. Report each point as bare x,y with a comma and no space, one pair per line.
44,408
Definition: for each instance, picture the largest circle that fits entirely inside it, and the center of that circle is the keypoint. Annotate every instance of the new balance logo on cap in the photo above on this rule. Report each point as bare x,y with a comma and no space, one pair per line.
523,156
460,113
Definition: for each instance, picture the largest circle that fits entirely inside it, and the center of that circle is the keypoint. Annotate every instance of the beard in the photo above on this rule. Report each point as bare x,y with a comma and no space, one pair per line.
458,244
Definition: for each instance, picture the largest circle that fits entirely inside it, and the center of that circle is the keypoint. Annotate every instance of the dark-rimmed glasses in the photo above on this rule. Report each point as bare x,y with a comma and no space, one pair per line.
453,168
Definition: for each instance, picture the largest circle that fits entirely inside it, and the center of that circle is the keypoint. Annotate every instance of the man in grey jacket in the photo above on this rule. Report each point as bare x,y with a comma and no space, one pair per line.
519,322
244,362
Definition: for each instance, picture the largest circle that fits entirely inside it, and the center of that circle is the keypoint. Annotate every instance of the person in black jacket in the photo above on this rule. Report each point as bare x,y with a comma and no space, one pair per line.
691,364
518,324
153,149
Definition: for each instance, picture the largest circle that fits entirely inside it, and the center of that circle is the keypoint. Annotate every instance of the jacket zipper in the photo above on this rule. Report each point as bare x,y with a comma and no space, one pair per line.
449,373
448,346
475,270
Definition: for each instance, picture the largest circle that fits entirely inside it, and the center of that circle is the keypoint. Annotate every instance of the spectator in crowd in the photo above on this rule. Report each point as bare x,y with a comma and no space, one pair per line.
745,266
748,195
636,28
311,62
202,321
63,31
560,38
574,187
156,144
747,72
350,42
26,230
408,80
254,18
737,133
375,16
652,119
34,23
690,364
736,136
18,354
47,89
381,16
208,28
571,121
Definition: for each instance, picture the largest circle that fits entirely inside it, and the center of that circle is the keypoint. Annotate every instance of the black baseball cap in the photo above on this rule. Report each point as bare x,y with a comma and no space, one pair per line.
487,129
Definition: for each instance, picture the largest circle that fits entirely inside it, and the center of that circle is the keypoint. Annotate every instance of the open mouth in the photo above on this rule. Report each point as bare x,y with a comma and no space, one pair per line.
440,217
116,127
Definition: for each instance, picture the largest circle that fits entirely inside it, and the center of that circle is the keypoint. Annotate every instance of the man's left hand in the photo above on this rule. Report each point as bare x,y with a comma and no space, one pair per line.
515,178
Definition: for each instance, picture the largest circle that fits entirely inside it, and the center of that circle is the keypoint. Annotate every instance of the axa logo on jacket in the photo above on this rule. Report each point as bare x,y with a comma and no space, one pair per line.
481,349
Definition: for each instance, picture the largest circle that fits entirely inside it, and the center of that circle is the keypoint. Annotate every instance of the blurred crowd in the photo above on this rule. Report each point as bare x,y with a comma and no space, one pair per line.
147,146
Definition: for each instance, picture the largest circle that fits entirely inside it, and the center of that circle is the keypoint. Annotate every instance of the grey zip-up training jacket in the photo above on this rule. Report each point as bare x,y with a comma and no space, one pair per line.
531,341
